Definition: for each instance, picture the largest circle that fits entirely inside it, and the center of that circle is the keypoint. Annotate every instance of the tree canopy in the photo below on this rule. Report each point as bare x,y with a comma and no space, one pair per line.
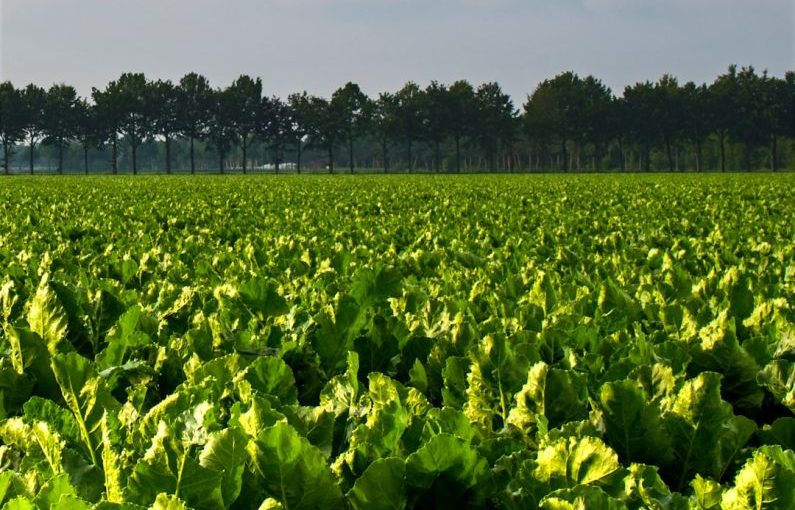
743,120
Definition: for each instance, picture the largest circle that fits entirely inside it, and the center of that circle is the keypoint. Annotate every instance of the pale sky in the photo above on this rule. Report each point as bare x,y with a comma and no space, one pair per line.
318,45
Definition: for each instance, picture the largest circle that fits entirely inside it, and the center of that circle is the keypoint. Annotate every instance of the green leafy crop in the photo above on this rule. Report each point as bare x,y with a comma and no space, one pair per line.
496,342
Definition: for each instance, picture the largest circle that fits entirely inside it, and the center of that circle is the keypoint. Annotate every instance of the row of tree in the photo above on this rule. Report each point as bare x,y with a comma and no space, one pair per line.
568,122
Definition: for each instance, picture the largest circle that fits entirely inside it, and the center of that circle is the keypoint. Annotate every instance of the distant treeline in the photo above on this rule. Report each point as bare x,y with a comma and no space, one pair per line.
742,121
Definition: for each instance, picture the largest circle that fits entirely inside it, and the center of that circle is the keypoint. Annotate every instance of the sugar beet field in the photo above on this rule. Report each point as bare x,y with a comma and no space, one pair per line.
369,342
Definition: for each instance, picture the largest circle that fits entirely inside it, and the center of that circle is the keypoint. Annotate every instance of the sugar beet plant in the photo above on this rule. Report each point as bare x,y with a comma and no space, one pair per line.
388,343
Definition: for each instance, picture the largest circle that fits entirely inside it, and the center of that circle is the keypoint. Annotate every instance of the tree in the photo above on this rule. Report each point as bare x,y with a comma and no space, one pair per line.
131,91
163,103
639,106
108,113
195,101
537,131
755,113
723,109
326,127
354,110
775,116
496,120
88,130
594,126
12,121
33,99
245,103
276,127
384,123
462,115
60,118
436,111
301,115
222,131
668,114
782,117
555,102
696,125
409,117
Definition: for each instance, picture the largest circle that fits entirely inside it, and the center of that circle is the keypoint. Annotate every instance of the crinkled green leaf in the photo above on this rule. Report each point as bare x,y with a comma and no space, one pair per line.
88,398
58,418
165,501
581,498
633,425
59,494
718,350
336,331
381,487
644,487
779,378
271,376
704,432
225,453
46,316
341,392
569,462
168,467
112,463
20,503
449,457
767,481
557,395
780,432
293,470
262,298
706,494
125,337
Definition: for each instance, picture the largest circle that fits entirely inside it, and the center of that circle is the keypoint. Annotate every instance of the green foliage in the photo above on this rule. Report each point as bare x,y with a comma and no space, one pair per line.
527,342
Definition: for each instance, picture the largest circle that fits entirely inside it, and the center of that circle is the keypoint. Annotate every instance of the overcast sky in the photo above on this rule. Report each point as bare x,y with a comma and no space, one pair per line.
318,45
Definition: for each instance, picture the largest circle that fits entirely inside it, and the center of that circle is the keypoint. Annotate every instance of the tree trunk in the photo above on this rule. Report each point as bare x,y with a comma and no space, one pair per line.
565,156
722,138
384,154
350,151
621,161
669,154
221,161
698,156
85,157
32,151
773,155
298,156
168,155
6,157
114,156
135,157
192,160
60,157
330,159
411,158
437,159
244,146
458,154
